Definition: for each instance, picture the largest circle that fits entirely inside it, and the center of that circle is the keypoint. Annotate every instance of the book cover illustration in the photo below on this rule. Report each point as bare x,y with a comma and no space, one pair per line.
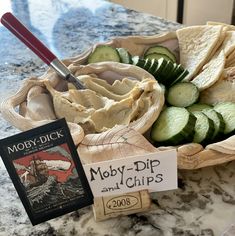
49,177
46,171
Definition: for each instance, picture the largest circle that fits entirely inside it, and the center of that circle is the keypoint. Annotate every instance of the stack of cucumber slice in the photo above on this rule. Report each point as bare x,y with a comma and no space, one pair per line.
174,126
159,51
158,61
165,71
211,123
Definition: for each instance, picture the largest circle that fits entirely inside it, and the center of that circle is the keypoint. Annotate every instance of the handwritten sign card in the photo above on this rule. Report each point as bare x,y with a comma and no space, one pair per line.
154,172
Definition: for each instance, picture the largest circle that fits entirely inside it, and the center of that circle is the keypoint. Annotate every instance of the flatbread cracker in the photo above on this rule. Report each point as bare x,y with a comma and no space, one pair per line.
231,56
228,46
218,46
212,73
229,43
229,27
216,93
229,73
230,63
196,44
220,41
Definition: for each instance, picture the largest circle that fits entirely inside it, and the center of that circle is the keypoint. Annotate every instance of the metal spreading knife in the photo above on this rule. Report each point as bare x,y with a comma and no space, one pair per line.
22,33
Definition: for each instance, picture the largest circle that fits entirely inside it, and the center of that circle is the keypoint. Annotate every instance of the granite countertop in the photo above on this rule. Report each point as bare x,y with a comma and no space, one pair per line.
204,203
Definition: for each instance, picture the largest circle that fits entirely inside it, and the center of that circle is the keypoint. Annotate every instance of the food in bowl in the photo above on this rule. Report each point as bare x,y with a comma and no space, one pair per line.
101,105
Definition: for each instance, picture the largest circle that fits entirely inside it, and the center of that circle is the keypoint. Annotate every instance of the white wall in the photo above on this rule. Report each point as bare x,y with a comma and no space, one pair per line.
200,11
163,8
195,11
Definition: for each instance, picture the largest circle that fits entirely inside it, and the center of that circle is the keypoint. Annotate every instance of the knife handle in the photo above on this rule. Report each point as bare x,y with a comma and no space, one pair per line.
22,33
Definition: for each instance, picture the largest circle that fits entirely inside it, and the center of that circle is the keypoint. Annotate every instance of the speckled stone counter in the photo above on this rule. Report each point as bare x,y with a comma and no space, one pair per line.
204,203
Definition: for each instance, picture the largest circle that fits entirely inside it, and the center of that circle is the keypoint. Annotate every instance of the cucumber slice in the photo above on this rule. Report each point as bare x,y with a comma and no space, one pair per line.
198,107
204,128
124,55
157,56
103,53
153,67
137,61
167,70
147,64
218,122
167,73
174,70
173,126
182,94
161,64
227,110
162,50
178,70
180,77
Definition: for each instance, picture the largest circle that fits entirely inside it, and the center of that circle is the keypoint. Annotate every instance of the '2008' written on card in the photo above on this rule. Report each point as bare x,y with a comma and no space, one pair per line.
154,171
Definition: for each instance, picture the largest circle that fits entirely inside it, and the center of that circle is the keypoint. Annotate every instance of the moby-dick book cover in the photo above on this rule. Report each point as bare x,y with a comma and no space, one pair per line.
46,171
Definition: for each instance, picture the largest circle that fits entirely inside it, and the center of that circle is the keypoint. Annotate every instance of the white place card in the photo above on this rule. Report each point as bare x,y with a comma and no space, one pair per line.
154,172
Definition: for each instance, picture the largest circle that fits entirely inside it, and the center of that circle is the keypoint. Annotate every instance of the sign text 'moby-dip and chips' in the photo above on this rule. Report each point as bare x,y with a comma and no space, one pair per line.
154,172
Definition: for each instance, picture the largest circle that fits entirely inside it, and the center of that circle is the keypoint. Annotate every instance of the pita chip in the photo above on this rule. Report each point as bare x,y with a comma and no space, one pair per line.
231,56
230,63
196,44
229,27
228,47
229,43
219,42
212,73
216,93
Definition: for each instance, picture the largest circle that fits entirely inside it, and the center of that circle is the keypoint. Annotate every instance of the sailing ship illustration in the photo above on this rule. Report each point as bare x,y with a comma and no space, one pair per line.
49,175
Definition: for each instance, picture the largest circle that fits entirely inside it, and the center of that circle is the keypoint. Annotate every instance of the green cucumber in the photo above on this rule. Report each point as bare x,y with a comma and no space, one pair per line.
147,64
161,64
168,74
173,126
158,49
172,73
204,128
157,56
124,55
179,74
167,70
178,69
198,107
180,77
227,110
153,67
182,94
137,61
218,122
103,53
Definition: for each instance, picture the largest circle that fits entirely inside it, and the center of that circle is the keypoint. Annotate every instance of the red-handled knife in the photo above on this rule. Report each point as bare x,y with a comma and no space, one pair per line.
22,33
